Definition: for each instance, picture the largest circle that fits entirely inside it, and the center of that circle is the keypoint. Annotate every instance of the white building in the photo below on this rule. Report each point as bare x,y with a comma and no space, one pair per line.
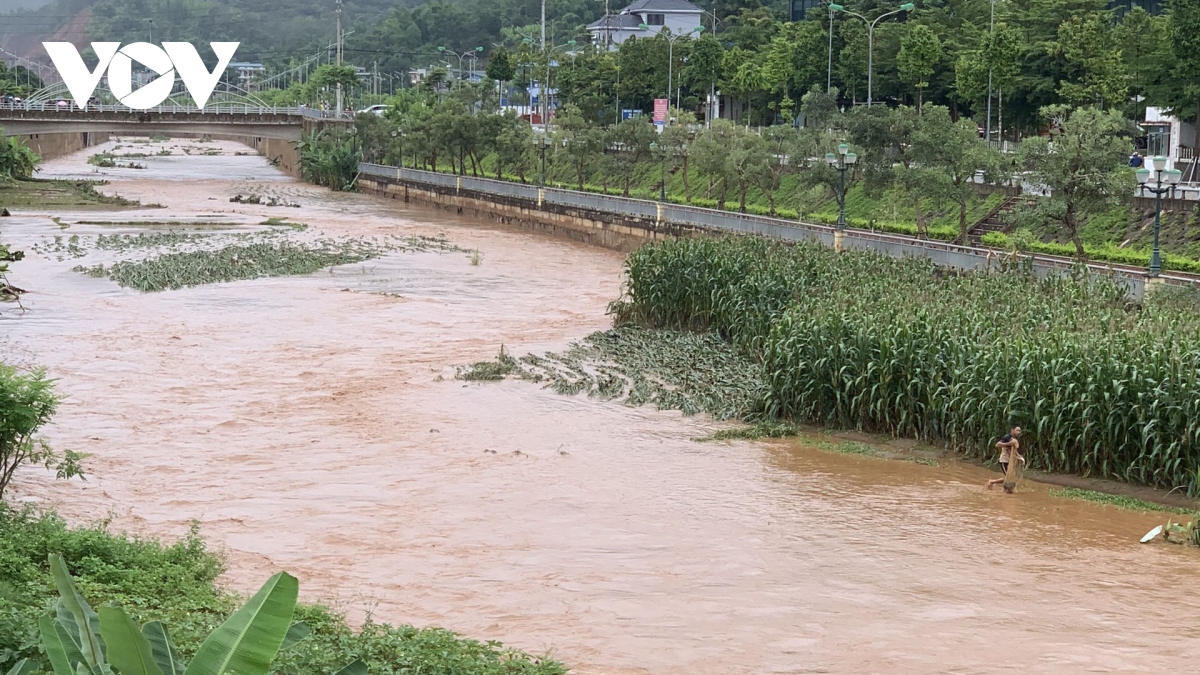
679,16
1173,139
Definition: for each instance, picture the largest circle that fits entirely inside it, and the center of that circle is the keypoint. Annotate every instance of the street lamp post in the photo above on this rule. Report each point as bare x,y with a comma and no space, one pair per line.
542,142
842,162
461,56
1159,181
671,52
906,7
662,171
399,136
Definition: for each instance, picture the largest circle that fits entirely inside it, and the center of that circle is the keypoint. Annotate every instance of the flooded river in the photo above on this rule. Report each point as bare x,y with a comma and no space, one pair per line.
313,424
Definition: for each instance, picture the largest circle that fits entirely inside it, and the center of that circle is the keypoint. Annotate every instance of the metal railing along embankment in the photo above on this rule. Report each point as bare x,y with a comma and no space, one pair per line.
940,253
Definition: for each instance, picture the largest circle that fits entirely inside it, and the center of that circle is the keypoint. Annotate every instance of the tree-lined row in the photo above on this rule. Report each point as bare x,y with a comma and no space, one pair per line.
927,155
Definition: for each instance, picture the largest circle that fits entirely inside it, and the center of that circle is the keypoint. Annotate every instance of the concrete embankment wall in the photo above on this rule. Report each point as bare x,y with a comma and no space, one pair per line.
283,154
622,223
615,231
51,146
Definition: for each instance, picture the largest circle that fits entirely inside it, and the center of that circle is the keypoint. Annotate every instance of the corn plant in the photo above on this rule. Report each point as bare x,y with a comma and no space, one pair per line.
78,640
856,340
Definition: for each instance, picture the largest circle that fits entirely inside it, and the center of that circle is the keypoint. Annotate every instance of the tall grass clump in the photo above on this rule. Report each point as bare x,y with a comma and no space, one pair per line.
854,340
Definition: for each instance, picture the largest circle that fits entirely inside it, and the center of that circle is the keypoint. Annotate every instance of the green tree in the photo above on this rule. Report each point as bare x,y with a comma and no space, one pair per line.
710,153
1185,76
632,138
703,68
500,66
920,50
1145,45
819,107
1083,162
1096,71
781,156
582,141
674,141
953,155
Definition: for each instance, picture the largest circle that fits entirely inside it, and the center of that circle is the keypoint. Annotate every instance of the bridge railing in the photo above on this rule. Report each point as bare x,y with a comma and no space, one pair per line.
212,109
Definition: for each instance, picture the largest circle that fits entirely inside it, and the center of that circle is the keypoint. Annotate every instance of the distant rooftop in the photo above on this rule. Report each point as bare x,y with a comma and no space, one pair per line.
616,21
661,6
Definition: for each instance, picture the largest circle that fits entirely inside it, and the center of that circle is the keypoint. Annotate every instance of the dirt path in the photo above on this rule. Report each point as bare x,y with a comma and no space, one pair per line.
313,424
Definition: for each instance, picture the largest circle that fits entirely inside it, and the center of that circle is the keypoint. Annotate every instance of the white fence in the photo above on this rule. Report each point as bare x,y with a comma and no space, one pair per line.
941,253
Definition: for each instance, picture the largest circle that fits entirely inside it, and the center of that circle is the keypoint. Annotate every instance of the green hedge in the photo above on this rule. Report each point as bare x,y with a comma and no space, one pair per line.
1106,253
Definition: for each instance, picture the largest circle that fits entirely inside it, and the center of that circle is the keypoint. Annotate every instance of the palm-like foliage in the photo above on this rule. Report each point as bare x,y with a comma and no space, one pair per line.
330,159
17,161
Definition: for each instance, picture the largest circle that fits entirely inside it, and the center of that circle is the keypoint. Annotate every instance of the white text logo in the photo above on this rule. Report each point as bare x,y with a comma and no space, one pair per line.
171,58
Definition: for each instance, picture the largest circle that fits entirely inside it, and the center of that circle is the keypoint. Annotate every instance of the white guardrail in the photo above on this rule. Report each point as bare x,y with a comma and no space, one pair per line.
940,252
212,109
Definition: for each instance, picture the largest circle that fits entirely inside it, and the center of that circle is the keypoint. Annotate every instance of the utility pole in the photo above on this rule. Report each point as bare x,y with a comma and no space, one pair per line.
339,56
546,84
992,38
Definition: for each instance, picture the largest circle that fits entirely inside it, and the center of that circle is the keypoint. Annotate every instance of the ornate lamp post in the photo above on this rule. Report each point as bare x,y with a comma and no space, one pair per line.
662,171
399,136
1159,181
542,142
841,162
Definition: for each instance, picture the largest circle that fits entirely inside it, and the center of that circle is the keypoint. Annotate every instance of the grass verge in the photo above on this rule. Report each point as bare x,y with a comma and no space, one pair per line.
176,584
58,193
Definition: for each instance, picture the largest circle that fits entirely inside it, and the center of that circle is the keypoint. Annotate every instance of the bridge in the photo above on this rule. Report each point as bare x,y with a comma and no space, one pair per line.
229,119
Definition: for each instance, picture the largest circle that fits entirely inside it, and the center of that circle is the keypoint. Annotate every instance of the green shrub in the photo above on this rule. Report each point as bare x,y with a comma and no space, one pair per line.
176,584
27,402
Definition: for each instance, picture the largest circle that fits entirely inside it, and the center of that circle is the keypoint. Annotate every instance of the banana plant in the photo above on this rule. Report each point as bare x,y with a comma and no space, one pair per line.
80,641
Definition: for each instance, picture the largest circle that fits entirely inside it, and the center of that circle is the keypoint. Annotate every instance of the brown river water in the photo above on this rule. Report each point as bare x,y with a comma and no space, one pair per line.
313,424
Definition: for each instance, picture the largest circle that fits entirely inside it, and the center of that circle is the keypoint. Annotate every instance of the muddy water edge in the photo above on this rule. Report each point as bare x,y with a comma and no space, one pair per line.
314,424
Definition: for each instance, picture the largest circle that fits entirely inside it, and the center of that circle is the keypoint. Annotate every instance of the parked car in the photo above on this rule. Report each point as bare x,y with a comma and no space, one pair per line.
376,110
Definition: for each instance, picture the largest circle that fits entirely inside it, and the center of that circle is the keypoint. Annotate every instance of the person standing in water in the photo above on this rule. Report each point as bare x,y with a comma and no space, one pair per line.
1008,446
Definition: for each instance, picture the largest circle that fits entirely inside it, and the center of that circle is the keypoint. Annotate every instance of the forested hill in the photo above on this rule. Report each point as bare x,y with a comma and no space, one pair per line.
396,33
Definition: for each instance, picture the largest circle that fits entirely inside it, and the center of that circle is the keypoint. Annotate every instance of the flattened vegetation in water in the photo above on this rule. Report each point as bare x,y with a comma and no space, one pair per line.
1119,501
672,370
234,262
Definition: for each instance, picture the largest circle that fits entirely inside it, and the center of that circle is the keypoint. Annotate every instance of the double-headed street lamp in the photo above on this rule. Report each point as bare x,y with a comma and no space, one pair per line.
906,7
671,52
542,141
841,162
1159,181
461,56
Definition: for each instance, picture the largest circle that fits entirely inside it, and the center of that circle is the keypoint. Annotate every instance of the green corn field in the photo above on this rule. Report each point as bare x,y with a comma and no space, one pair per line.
852,340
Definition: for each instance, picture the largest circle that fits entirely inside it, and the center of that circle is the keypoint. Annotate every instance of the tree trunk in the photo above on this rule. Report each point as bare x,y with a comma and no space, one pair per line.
771,201
917,216
724,192
1072,224
687,189
579,175
625,192
742,187
962,221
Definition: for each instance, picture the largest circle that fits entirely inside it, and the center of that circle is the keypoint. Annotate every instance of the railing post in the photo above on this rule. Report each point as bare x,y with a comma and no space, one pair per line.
458,183
658,216
838,236
541,196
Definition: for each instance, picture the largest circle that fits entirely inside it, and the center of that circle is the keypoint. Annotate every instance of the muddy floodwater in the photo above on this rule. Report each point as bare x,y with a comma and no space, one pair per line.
313,424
